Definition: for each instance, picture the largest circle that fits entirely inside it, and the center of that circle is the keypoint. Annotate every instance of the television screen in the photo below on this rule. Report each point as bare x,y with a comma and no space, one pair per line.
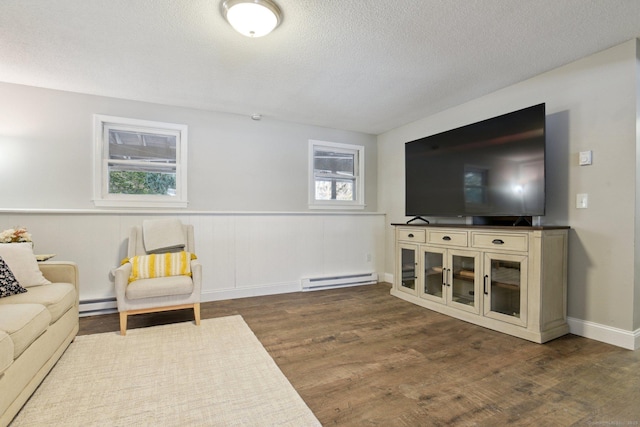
495,167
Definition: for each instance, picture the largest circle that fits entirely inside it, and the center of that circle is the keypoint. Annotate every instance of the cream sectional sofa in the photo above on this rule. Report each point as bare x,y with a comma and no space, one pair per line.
36,327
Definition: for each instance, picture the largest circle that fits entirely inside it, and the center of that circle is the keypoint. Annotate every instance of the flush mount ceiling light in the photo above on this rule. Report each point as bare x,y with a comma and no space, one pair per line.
252,18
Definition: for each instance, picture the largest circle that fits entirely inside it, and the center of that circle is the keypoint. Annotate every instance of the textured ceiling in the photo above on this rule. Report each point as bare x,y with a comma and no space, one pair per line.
363,65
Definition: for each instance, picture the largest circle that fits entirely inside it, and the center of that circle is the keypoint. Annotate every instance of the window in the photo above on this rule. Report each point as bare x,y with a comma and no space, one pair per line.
139,163
475,186
336,174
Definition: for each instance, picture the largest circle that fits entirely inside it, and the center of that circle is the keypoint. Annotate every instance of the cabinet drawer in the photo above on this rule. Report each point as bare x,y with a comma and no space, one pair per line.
411,235
448,238
511,242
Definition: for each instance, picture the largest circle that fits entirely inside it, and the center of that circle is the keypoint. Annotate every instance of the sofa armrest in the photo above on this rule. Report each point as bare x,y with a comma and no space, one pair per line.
61,272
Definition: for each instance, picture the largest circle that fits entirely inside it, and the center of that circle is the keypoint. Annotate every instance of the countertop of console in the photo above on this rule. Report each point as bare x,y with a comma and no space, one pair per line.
493,227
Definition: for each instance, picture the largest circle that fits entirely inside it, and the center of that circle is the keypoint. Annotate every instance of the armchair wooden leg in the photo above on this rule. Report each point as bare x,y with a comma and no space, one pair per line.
123,323
196,312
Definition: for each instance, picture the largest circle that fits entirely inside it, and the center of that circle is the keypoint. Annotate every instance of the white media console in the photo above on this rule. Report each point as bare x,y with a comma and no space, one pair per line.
509,279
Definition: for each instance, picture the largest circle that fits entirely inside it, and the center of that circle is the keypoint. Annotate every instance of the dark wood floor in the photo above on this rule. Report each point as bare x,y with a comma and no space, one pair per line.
359,356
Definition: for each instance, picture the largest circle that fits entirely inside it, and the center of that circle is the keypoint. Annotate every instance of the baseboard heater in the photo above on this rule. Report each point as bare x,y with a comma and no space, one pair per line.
97,306
331,282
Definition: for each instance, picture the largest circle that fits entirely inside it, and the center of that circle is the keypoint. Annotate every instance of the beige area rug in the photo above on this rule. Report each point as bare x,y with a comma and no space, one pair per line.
217,374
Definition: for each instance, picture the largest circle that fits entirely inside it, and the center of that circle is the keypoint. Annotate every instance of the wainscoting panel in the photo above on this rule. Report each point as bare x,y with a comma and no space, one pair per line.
266,251
242,254
215,248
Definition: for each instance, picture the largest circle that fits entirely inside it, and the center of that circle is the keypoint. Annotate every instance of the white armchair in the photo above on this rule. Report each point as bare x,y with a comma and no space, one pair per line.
156,294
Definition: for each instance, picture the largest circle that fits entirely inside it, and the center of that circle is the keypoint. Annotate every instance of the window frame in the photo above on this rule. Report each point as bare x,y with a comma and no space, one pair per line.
359,174
101,196
483,187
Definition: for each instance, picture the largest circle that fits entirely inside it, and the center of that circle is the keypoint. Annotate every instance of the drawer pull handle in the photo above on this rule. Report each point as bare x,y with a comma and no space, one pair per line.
410,235
447,238
486,277
498,242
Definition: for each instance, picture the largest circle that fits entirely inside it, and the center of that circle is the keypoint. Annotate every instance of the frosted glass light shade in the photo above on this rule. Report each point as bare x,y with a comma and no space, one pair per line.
252,18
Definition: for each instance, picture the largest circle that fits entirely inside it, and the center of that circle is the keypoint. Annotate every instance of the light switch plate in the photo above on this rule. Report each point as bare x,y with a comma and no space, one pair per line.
585,158
582,200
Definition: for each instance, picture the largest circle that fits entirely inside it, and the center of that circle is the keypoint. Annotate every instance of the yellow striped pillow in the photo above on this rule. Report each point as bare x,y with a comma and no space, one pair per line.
161,265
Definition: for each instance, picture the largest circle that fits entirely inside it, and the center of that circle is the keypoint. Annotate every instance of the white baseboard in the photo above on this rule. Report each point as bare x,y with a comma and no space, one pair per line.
595,331
607,334
273,289
108,305
260,290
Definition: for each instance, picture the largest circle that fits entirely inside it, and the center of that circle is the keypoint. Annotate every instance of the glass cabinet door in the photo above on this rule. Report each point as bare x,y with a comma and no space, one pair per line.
505,288
408,268
463,282
450,277
434,275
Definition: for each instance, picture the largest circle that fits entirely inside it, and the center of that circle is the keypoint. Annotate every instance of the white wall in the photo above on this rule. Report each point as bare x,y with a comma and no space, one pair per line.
591,105
248,183
235,163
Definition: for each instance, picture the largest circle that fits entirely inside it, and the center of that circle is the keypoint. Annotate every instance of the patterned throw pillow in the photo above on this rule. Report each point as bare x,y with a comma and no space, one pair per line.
8,283
161,265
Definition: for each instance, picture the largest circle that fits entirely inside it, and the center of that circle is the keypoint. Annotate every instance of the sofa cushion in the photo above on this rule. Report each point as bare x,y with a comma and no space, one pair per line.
58,298
160,287
23,264
6,351
8,283
24,323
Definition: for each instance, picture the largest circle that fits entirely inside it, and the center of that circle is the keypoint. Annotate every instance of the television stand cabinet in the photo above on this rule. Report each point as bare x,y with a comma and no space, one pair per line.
509,279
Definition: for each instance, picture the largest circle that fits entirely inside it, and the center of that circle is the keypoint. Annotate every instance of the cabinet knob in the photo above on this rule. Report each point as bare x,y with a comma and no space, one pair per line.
498,242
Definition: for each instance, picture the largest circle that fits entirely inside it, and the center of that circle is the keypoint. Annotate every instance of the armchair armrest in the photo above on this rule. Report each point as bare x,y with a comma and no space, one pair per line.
196,274
121,280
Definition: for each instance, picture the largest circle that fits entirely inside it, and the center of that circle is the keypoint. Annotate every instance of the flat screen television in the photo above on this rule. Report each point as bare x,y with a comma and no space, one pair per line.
493,168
